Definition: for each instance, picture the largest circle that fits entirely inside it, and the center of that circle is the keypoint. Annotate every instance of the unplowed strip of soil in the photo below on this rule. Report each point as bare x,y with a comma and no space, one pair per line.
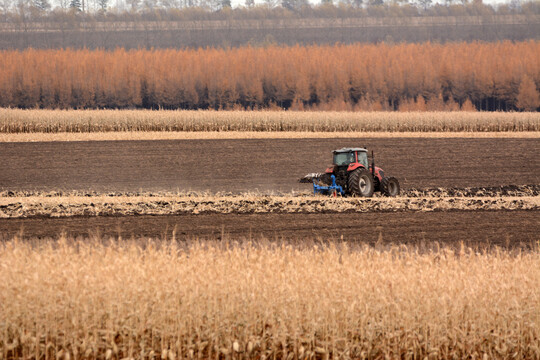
120,206
504,228
260,164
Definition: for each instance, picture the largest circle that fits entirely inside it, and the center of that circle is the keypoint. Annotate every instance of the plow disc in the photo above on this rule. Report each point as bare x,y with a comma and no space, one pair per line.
310,178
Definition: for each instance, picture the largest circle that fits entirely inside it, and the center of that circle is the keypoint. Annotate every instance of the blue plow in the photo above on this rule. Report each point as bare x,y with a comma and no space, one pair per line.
333,189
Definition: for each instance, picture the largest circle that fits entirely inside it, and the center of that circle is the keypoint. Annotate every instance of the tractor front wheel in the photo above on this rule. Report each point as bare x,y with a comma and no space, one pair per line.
390,186
361,183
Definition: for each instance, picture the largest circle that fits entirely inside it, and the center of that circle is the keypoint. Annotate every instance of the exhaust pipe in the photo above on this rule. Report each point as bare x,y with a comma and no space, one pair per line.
372,164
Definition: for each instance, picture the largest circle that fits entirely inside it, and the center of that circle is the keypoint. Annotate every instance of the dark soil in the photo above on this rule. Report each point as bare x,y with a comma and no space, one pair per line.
503,228
265,165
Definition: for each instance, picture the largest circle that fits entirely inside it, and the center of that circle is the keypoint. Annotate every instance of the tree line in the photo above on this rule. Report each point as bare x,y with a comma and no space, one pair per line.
178,24
484,76
20,11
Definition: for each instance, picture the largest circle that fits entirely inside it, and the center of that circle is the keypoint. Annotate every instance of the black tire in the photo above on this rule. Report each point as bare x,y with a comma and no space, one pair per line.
361,183
390,186
377,184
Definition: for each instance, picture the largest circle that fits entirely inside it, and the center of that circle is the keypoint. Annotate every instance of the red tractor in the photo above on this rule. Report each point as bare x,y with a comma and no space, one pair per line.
351,174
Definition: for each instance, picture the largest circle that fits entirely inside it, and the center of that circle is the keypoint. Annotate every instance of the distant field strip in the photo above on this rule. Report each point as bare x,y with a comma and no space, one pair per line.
231,135
252,24
101,299
16,121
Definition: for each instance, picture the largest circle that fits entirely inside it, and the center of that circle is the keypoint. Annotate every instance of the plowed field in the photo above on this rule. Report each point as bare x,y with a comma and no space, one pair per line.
503,228
274,165
261,164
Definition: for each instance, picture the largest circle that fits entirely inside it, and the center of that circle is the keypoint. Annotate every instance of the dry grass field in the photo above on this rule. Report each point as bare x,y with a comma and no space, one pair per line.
123,299
252,135
85,121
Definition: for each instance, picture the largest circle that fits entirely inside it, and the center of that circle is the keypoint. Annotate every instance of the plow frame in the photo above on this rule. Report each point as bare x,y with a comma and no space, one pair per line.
333,189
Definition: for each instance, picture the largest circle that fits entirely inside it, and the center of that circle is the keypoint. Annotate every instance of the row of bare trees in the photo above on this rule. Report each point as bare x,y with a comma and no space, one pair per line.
13,11
488,76
192,23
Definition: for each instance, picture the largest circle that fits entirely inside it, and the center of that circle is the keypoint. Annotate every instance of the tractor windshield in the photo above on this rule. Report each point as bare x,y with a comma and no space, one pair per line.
344,158
362,159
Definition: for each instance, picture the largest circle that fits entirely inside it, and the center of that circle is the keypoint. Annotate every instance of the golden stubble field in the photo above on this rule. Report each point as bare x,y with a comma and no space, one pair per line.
222,300
84,121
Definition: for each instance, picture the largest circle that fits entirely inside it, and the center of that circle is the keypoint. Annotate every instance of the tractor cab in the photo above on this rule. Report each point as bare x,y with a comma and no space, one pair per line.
347,156
348,159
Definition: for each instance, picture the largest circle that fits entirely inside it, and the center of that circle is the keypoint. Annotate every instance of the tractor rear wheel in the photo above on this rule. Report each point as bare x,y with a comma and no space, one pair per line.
390,186
360,183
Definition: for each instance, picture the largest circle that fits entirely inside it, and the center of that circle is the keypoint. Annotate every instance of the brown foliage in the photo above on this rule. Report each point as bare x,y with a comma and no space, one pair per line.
353,77
528,98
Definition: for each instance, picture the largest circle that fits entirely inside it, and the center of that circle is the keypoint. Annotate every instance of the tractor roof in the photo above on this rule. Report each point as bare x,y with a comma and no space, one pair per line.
342,150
